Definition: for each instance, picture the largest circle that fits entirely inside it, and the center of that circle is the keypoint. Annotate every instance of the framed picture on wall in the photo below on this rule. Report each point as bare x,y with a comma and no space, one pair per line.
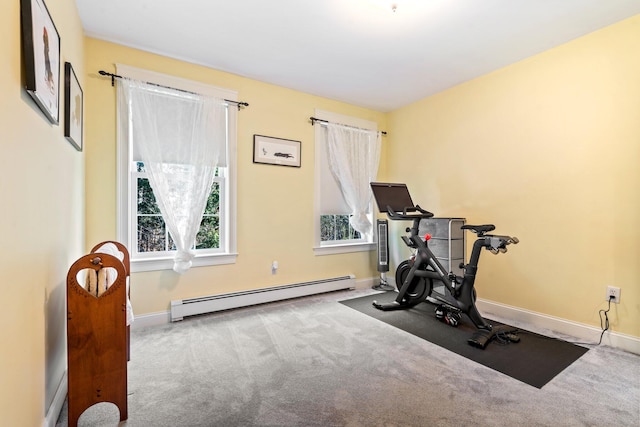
276,151
41,51
73,111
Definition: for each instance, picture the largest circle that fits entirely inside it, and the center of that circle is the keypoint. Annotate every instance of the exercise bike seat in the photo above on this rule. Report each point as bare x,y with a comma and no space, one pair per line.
479,229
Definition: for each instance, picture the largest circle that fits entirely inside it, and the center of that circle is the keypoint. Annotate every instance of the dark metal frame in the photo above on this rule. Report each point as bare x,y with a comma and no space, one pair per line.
415,276
238,104
282,157
74,107
42,63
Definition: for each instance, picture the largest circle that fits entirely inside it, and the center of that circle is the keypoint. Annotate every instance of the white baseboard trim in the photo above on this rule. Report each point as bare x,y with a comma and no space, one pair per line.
143,321
367,283
529,320
58,402
164,317
532,320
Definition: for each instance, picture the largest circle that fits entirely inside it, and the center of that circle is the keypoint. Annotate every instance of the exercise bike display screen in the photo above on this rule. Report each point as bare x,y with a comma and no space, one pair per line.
390,194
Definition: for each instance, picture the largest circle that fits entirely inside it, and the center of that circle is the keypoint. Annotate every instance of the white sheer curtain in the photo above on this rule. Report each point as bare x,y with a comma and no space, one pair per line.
181,138
354,156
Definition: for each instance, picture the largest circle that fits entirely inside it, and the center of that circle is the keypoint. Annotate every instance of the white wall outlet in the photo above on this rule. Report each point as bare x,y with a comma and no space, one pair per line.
274,267
614,292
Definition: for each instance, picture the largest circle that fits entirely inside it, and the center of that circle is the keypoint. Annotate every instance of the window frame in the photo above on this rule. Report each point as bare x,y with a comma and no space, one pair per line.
334,246
126,196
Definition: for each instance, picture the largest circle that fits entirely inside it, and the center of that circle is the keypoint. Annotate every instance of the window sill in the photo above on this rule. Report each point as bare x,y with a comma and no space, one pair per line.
157,264
343,249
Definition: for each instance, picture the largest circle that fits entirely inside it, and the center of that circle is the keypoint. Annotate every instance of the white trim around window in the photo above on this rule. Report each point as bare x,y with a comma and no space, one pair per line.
331,248
228,254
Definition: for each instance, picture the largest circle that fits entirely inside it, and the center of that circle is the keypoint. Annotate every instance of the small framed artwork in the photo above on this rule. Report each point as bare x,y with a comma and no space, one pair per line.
276,151
41,45
73,112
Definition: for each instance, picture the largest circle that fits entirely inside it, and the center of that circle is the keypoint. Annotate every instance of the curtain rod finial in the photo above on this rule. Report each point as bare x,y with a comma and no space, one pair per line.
113,76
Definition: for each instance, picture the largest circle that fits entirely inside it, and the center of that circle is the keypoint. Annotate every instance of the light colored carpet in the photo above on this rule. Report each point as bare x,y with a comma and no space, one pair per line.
315,362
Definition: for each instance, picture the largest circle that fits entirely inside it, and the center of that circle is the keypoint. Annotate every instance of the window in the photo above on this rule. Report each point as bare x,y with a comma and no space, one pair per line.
140,223
333,232
151,232
336,227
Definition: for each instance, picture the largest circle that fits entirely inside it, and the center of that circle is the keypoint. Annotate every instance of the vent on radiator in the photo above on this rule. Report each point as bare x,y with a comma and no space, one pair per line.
212,303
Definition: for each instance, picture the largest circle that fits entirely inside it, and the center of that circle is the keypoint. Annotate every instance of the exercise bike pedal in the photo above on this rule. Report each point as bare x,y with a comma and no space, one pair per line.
442,302
449,315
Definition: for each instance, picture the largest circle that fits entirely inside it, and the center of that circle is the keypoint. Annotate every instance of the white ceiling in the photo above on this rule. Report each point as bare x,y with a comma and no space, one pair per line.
357,51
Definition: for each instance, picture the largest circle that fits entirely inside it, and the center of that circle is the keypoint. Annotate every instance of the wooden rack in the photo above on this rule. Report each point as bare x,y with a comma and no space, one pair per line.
97,337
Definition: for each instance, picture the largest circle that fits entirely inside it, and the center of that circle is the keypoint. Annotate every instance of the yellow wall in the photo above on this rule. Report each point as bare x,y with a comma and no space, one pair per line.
42,227
275,204
546,149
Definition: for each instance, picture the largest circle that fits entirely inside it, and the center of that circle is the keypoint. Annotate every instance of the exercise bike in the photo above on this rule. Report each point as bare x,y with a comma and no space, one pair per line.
415,277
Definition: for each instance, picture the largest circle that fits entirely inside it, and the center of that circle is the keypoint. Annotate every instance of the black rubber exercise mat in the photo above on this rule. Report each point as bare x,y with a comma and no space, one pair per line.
534,360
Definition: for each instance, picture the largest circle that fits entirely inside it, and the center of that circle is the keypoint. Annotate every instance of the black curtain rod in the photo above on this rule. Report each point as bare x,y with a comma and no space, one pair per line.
115,76
314,120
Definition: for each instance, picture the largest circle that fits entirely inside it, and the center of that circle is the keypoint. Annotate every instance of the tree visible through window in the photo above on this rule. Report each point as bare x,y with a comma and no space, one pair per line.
151,230
337,228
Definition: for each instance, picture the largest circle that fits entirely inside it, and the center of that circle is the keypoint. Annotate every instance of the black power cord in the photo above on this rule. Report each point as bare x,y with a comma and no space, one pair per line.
604,325
605,328
507,336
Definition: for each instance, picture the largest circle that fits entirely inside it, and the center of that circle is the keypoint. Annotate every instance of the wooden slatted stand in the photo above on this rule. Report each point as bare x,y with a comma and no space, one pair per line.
96,339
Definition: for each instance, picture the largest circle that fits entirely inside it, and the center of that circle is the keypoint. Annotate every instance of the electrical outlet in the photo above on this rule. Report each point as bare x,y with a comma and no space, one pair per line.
614,292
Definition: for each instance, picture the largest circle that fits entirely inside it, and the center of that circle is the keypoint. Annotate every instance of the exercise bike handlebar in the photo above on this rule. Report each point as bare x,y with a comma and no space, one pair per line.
494,243
408,213
498,244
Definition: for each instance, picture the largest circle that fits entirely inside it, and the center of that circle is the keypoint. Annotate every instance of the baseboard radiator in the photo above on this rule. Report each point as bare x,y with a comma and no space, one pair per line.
209,304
